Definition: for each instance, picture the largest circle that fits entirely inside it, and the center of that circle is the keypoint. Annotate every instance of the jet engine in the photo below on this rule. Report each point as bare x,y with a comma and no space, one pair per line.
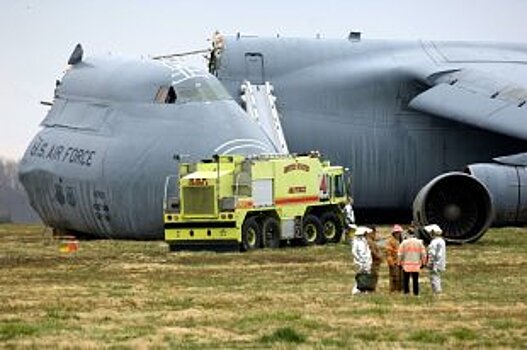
465,204
508,186
459,203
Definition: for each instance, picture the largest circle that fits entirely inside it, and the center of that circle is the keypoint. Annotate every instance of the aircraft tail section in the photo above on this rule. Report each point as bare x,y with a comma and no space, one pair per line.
260,103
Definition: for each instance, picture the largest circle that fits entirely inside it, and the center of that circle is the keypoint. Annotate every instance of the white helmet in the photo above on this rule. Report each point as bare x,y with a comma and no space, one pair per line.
434,230
362,230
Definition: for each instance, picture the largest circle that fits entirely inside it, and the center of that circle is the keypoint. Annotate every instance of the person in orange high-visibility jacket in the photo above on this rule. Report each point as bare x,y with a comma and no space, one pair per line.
412,256
392,259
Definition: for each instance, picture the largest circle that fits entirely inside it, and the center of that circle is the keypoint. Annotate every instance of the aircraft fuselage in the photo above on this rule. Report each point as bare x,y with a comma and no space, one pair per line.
349,99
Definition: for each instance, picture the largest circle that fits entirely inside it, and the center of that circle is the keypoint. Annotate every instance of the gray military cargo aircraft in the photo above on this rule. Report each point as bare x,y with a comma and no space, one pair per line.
439,124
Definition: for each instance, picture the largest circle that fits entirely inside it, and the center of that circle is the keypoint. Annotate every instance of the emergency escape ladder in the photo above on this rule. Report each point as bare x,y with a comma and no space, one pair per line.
260,105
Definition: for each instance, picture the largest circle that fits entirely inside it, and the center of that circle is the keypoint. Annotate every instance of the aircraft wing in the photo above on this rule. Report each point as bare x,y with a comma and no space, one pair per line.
478,99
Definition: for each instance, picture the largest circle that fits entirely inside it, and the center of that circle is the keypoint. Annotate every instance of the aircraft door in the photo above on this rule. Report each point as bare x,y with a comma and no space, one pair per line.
254,67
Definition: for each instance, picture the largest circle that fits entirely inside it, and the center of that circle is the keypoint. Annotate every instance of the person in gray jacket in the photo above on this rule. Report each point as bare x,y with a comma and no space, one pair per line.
361,255
436,257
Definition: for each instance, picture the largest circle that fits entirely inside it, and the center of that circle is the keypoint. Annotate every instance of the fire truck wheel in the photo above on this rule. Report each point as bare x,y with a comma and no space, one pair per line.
312,231
251,235
332,227
271,233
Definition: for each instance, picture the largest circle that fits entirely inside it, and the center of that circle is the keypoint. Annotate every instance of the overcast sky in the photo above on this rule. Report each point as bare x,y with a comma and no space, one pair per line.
37,37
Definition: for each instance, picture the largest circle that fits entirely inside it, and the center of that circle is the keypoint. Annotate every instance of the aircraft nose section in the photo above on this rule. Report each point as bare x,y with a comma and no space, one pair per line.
100,169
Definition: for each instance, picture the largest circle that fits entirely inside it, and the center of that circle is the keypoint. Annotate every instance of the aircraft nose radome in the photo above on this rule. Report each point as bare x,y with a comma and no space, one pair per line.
106,177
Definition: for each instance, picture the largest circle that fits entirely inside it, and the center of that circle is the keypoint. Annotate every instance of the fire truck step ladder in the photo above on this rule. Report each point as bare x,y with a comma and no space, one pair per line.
260,104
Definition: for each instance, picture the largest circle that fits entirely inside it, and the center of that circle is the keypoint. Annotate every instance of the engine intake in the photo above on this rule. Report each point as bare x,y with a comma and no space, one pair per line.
459,203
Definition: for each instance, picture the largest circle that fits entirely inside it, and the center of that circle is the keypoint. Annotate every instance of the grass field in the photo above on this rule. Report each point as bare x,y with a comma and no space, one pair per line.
126,294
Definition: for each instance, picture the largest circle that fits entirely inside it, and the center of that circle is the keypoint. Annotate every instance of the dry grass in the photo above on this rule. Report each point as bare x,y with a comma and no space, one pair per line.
126,294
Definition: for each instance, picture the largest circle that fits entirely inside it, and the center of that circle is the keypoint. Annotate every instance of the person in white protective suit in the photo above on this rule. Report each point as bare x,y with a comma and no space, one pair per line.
349,218
436,257
361,255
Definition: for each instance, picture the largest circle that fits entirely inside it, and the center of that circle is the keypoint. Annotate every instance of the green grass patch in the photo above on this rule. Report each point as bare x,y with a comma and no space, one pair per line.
502,324
286,334
333,343
367,335
464,334
56,314
427,336
15,329
172,303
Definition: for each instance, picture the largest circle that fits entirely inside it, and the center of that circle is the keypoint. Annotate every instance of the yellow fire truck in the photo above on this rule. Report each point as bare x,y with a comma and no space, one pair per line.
233,201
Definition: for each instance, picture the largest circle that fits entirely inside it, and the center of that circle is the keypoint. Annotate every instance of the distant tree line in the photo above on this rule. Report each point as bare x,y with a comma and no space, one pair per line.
14,204
9,174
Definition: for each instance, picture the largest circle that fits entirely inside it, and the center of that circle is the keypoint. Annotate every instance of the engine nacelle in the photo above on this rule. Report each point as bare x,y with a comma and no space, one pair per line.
508,186
459,203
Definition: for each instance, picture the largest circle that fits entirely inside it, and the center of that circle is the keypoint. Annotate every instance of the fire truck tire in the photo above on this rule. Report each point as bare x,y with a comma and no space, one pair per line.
312,231
251,235
271,233
332,227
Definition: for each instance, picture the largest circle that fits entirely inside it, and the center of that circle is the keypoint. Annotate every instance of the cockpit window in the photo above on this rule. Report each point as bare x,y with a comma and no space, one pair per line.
201,89
194,89
171,95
